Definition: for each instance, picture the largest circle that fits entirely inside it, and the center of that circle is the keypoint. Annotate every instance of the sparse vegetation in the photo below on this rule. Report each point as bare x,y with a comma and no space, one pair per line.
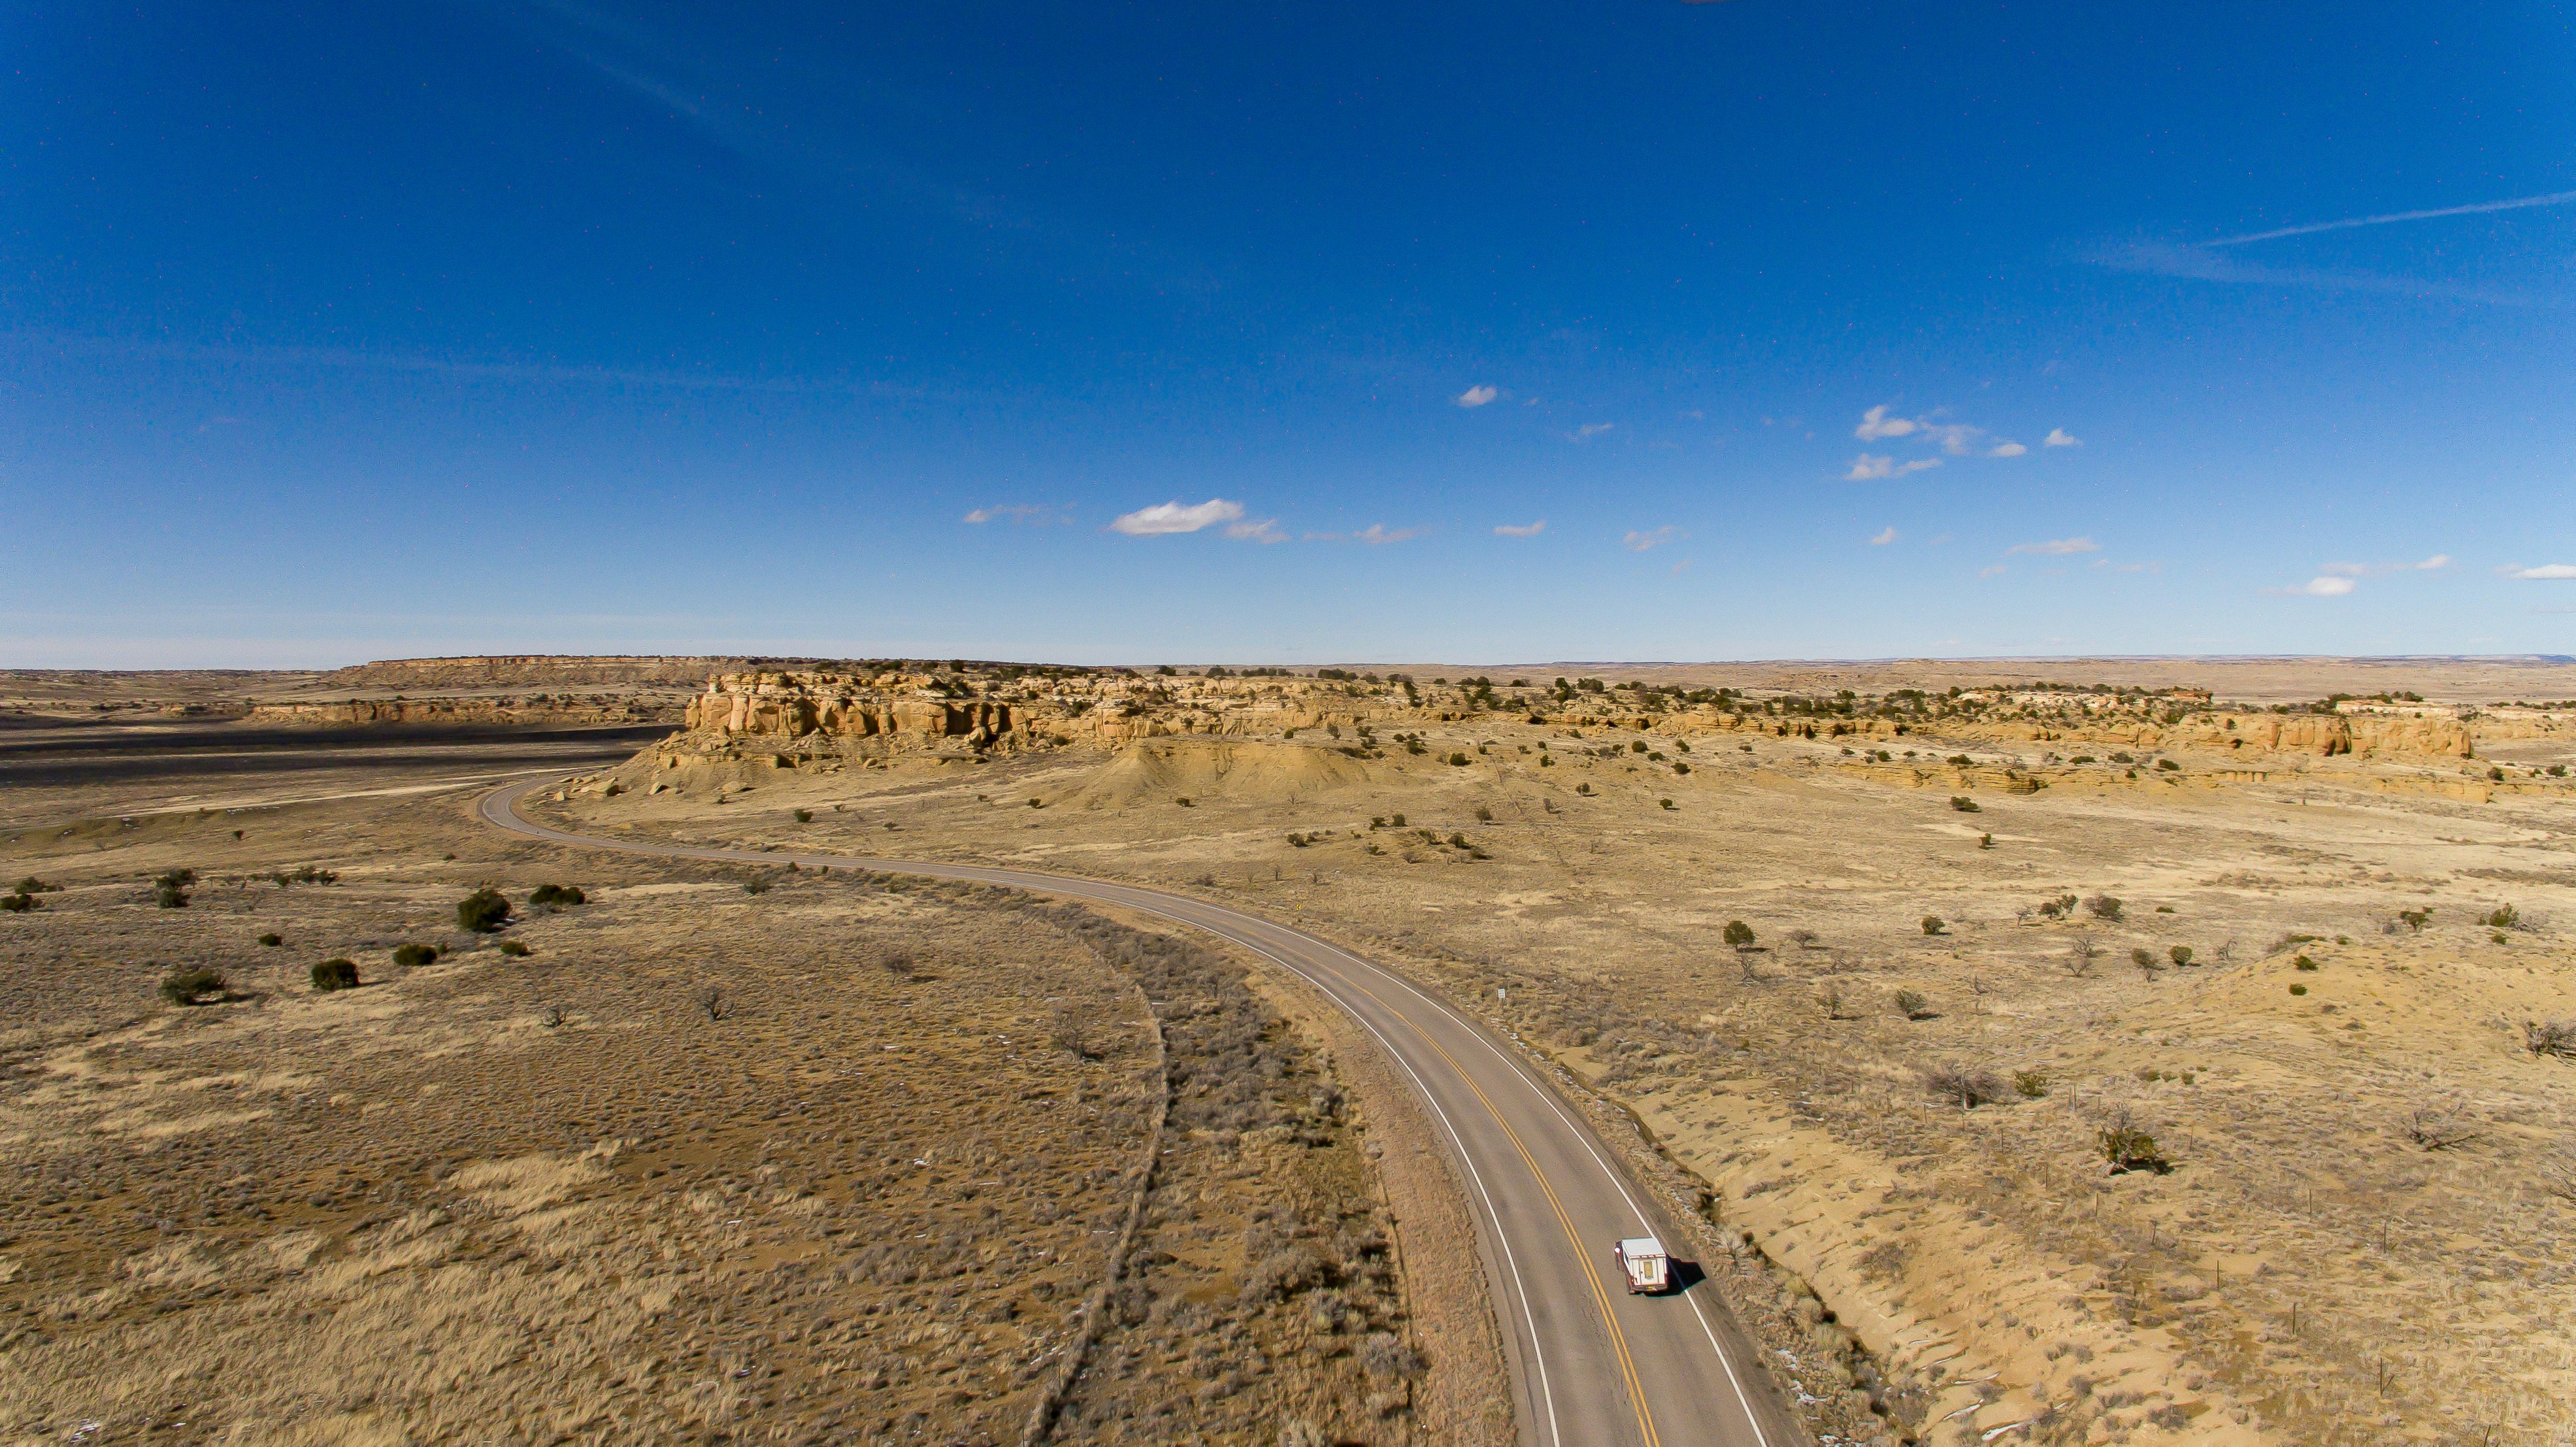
1933,924
556,896
2104,907
18,903
191,984
516,949
2502,917
2030,1084
2554,1038
170,889
1965,805
1913,1005
2438,1130
1970,1086
331,975
483,912
413,957
2126,1146
804,816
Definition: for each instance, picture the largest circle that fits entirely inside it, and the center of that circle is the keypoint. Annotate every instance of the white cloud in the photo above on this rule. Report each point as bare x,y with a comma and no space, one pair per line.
1378,534
2057,437
1256,530
1477,396
1875,424
1590,430
2433,564
1956,438
1866,468
1519,530
1637,542
2545,572
1883,539
2057,547
1994,570
1170,517
2006,449
1038,513
2318,587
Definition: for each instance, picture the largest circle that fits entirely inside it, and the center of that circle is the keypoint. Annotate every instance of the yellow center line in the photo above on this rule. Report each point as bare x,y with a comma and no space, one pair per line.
1600,1297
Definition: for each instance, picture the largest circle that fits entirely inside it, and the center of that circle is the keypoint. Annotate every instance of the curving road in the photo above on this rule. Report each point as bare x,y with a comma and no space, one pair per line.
1592,1365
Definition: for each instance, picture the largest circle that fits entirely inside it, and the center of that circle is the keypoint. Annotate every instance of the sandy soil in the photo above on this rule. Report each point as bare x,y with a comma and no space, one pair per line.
2363,1228
725,1154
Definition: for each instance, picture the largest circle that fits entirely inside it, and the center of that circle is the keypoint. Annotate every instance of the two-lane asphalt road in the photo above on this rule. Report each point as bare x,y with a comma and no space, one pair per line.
1591,1364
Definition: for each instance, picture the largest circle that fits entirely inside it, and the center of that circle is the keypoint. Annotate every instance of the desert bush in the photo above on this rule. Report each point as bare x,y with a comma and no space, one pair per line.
32,885
1737,934
555,896
1457,841
757,884
272,939
1964,804
1296,841
483,912
2303,963
2058,908
1075,1035
18,903
1583,788
1829,998
2438,1130
1971,1086
2169,766
1961,761
516,949
2146,961
2179,954
2126,1146
2104,907
2079,960
305,874
170,890
2504,916
1913,1005
804,816
1282,1274
1395,820
1184,802
1389,1359
2550,1037
1484,815
712,1003
190,984
2030,1084
331,975
1457,760
2297,989
2415,918
897,964
412,957
1933,924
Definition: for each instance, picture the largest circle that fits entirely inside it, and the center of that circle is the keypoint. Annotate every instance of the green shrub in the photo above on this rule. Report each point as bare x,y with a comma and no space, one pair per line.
329,975
2504,917
2303,963
1484,815
307,874
2298,989
1964,804
2104,907
2179,954
804,816
1666,803
412,957
1961,760
557,896
2031,1084
1395,821
17,903
1183,801
483,912
32,885
1583,788
1738,934
170,890
272,940
2169,766
1913,1005
516,949
2128,1148
1457,760
2415,918
757,884
1933,925
189,984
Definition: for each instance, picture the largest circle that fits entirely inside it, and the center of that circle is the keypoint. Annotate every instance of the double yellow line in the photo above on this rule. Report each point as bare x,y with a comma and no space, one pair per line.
1600,1296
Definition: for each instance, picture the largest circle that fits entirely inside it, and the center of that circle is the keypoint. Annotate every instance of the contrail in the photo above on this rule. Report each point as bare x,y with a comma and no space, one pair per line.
2554,198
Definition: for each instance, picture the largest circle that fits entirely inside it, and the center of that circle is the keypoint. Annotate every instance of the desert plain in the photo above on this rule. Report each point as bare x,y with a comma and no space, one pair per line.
2151,1050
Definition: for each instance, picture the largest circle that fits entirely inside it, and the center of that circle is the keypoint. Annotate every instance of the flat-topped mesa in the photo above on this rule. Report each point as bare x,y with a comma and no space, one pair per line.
887,711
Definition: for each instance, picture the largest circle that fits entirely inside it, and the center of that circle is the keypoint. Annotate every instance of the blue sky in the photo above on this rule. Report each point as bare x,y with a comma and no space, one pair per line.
1322,332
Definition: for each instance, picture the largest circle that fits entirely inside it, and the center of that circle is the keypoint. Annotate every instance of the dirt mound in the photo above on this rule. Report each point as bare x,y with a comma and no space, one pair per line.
1237,770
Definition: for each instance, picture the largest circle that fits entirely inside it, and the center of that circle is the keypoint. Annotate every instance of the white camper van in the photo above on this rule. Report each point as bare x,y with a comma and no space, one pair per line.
1642,1260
